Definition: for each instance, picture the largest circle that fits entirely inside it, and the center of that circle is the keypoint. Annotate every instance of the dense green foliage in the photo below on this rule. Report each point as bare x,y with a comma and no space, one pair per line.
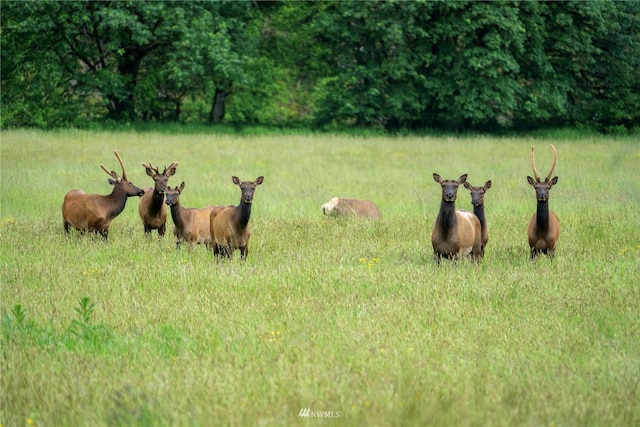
391,65
344,316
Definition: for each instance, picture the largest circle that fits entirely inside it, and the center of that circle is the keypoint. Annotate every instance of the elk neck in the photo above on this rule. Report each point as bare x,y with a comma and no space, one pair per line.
542,215
157,200
242,213
117,200
178,214
447,216
479,212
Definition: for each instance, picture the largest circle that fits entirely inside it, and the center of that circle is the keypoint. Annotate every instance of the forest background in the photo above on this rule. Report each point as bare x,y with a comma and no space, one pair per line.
392,66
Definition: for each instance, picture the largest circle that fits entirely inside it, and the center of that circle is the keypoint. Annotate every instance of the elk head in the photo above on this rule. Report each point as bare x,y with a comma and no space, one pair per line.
449,187
542,187
247,187
477,193
121,181
172,195
160,179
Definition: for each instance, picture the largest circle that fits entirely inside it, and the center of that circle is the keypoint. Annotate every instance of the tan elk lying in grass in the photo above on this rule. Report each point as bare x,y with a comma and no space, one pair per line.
457,232
340,206
152,209
93,212
477,200
544,227
230,225
190,224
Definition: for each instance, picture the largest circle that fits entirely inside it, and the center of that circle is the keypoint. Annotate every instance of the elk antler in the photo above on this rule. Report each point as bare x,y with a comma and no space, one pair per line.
124,174
553,166
533,165
173,165
112,174
150,166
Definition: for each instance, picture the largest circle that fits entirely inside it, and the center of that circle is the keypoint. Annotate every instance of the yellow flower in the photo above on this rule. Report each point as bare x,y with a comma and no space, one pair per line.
29,421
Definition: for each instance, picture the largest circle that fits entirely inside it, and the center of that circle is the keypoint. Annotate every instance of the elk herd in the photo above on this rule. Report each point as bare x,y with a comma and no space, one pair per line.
457,233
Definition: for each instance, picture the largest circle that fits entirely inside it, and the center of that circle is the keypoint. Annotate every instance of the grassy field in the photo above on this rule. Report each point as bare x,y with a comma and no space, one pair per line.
349,319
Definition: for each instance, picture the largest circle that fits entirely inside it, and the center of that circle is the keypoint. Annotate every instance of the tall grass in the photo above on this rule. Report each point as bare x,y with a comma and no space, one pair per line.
348,318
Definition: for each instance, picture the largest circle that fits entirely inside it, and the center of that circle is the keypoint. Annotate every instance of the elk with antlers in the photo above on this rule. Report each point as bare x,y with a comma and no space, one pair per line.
544,227
457,232
93,212
152,209
477,200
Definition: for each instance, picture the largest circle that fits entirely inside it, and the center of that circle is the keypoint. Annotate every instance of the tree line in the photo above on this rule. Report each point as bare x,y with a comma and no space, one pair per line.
454,65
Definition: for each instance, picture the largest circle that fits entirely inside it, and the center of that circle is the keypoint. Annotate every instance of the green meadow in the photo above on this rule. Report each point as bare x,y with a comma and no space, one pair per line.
349,322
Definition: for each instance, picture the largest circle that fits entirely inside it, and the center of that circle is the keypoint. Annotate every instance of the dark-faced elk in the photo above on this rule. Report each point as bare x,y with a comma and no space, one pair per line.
93,212
457,232
544,227
152,209
230,225
477,200
190,224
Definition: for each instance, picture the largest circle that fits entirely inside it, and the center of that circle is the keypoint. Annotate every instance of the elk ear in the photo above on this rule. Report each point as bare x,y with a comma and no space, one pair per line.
149,171
487,185
437,178
172,170
531,181
467,186
259,180
235,180
553,182
111,181
462,179
181,187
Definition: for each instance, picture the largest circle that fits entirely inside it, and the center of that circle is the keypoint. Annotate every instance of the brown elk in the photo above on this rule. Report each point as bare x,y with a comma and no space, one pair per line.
152,209
190,224
544,227
477,200
93,212
340,206
457,232
230,225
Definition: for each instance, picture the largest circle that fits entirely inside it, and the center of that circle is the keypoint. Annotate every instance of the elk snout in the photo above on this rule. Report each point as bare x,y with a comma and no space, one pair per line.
449,194
542,193
247,195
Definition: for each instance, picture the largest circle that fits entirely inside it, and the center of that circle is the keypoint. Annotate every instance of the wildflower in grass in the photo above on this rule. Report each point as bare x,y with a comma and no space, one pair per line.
92,272
29,421
7,221
631,249
369,262
273,336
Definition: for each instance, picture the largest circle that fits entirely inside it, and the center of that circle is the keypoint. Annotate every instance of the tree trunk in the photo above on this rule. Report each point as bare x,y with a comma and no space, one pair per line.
123,106
217,107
